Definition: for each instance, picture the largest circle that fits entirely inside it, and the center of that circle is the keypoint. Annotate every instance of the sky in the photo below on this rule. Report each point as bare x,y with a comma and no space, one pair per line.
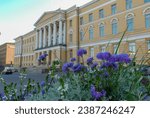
17,17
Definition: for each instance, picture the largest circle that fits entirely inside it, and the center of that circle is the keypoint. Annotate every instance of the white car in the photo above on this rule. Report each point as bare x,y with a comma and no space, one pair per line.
13,69
7,70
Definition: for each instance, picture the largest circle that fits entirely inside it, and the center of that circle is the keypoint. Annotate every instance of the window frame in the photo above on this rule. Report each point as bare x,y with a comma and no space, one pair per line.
113,9
92,52
129,4
91,30
91,17
101,13
101,30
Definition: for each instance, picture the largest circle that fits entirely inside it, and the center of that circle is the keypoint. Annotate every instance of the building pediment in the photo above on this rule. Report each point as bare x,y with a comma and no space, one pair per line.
47,15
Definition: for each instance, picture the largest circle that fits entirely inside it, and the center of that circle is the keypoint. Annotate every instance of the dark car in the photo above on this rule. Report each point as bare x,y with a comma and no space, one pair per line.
1,68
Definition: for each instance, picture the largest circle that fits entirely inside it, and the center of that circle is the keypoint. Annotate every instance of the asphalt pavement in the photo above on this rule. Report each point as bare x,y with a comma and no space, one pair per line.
15,78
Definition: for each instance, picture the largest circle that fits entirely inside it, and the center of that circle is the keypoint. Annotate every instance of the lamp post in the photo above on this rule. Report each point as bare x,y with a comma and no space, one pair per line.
21,51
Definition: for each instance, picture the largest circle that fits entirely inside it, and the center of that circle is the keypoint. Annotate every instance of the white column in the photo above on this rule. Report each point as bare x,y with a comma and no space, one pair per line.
44,36
60,31
54,34
37,39
64,32
40,39
49,35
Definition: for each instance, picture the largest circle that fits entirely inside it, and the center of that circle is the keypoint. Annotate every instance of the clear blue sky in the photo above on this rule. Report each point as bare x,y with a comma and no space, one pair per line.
18,16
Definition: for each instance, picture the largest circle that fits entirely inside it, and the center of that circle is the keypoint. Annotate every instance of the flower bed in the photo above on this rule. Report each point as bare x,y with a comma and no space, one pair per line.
112,78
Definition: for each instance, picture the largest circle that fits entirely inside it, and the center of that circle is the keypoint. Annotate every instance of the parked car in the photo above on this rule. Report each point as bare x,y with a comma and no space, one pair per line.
13,69
1,68
7,70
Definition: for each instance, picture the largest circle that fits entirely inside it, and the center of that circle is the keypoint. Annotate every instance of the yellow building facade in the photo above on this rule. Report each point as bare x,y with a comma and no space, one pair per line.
24,51
96,26
7,54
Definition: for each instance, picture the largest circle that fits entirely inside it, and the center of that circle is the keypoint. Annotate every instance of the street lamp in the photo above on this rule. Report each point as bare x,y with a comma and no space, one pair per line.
21,51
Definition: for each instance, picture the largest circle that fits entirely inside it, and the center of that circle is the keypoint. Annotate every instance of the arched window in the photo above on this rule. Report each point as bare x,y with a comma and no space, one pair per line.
130,22
114,23
101,30
147,17
91,33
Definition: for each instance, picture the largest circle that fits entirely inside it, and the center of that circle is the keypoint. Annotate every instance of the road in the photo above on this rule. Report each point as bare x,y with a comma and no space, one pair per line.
38,77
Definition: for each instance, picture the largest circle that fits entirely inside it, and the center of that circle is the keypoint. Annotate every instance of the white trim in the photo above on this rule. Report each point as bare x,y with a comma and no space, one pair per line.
102,5
129,14
27,54
111,21
145,10
46,24
102,42
51,48
99,24
91,26
17,56
71,17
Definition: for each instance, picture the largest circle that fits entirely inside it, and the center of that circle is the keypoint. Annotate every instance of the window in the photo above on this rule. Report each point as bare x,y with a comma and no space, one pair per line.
101,30
71,53
91,52
115,48
113,9
114,27
145,1
148,44
81,21
70,23
81,35
101,13
91,33
91,17
128,4
71,37
147,20
130,22
132,48
103,49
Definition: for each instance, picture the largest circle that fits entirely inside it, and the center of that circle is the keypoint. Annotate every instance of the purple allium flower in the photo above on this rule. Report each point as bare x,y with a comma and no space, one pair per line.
77,67
43,92
42,57
90,60
97,95
4,98
105,74
124,58
66,66
103,56
81,52
42,84
109,65
73,59
103,92
121,58
94,65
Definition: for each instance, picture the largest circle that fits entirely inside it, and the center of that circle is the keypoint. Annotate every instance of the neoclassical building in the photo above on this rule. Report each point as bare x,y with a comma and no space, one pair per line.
96,26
